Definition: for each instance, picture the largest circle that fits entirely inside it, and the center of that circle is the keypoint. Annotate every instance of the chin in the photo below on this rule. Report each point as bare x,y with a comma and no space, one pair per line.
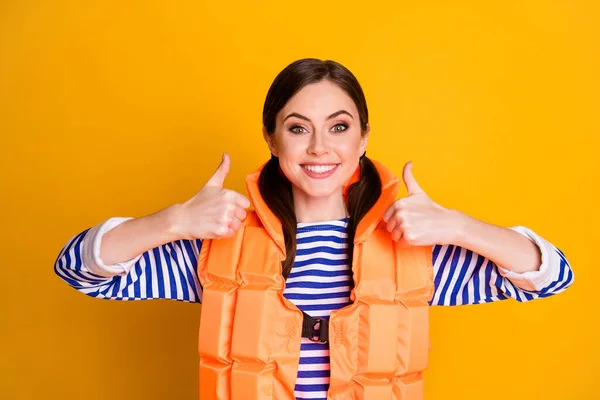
319,191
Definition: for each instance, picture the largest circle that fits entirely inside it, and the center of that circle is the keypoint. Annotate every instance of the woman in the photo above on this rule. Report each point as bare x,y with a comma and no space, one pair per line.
318,202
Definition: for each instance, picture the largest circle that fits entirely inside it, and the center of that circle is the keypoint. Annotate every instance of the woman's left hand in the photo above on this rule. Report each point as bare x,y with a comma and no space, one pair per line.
416,220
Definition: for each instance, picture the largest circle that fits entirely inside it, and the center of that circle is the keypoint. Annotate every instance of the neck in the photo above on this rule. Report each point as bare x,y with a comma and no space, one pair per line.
316,209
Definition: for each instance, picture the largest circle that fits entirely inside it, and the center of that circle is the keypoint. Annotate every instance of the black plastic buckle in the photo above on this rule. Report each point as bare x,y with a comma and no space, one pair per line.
319,335
315,329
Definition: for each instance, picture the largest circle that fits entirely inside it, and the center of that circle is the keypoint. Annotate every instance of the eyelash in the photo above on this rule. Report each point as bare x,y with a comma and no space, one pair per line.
291,129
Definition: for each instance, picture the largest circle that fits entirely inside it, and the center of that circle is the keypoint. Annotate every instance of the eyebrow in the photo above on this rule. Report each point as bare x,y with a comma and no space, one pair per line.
335,114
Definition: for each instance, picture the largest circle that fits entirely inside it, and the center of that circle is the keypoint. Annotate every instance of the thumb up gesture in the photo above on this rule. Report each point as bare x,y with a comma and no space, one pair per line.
416,220
214,212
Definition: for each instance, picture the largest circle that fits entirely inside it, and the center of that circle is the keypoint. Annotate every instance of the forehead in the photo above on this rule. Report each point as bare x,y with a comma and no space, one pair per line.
319,100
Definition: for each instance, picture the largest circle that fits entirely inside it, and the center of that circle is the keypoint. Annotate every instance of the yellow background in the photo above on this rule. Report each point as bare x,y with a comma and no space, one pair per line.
112,108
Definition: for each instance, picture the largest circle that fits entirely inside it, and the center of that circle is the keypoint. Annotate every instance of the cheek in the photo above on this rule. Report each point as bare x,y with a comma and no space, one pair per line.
288,162
288,146
351,150
289,157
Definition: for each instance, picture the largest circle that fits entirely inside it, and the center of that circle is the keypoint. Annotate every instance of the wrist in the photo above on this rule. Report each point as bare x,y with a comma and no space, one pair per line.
172,217
463,225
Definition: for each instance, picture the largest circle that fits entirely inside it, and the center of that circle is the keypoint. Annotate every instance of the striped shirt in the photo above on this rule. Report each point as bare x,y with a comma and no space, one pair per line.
317,284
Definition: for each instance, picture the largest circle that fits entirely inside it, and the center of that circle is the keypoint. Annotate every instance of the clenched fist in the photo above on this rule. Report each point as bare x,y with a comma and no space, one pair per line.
214,212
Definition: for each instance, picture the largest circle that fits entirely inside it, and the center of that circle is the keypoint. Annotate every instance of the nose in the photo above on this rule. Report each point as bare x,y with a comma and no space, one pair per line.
318,144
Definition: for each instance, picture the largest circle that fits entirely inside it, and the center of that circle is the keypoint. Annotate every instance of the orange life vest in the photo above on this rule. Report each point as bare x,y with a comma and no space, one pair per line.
249,339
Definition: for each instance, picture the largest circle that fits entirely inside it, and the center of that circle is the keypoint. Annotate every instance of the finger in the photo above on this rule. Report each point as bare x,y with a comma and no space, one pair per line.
392,223
239,213
229,233
242,201
397,234
221,173
235,224
215,231
409,180
389,212
223,231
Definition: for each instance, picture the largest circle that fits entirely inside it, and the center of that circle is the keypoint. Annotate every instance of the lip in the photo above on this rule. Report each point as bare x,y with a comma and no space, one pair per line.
319,175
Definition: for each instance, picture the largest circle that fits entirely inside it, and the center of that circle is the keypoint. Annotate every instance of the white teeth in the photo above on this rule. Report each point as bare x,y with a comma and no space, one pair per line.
319,168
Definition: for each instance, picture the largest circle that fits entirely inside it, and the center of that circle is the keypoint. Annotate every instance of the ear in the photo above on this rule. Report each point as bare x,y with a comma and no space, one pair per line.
270,139
364,139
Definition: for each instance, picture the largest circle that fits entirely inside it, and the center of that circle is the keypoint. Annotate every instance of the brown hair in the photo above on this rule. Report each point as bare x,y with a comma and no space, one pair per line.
276,189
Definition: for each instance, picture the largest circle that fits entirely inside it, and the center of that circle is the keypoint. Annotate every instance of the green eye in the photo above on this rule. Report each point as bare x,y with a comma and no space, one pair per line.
297,129
340,128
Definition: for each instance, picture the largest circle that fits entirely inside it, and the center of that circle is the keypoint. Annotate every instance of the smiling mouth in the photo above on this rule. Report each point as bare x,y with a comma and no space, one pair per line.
319,169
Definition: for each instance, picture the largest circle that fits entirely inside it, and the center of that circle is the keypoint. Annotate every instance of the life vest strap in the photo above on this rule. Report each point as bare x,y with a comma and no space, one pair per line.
315,329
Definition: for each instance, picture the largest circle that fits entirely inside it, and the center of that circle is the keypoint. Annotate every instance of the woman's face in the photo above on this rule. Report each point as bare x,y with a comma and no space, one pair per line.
318,139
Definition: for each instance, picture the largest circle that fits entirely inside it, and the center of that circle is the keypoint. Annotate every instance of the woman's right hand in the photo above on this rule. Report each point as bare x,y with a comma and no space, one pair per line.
214,212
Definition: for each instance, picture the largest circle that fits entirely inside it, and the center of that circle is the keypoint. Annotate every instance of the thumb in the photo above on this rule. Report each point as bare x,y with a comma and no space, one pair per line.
221,173
409,180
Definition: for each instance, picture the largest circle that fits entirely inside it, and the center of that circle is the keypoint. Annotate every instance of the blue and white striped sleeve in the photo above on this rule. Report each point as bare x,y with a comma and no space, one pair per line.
164,272
463,277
